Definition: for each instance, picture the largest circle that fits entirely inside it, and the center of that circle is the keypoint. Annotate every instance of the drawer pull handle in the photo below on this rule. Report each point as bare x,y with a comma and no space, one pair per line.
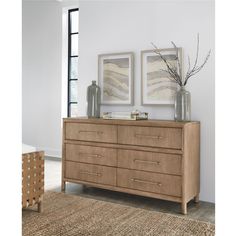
149,162
148,136
91,131
146,182
90,155
90,173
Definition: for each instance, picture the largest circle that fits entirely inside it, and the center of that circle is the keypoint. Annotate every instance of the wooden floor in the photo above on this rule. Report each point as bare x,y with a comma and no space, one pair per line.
203,211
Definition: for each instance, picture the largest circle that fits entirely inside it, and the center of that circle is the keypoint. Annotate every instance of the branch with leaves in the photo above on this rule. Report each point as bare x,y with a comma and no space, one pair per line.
175,71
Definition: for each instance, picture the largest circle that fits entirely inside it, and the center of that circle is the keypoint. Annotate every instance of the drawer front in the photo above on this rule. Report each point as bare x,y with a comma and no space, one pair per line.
150,136
149,182
150,161
90,173
91,132
90,154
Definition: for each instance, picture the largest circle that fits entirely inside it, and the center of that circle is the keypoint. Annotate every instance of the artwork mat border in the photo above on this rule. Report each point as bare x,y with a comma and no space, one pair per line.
130,55
180,54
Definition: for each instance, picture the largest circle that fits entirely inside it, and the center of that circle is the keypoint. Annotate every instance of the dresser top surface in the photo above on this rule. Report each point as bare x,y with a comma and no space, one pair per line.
150,122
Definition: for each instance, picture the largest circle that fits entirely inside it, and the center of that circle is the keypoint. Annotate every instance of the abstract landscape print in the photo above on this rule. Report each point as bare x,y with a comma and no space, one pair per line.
157,86
116,78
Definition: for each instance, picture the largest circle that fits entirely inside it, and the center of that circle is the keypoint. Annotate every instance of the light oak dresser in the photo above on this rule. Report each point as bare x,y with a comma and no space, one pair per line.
152,158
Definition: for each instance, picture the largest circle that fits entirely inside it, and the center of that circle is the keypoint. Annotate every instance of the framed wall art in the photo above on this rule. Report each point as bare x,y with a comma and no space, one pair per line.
115,78
157,86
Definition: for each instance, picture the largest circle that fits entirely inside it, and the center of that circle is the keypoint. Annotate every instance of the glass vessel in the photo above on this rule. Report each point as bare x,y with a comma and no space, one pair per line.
94,100
183,105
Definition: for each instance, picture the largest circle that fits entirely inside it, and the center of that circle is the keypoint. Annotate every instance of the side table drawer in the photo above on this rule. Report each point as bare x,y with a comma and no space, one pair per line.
150,161
90,173
91,132
90,154
149,182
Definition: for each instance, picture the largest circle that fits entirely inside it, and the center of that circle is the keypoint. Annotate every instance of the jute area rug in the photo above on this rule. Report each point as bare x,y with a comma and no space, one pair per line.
71,215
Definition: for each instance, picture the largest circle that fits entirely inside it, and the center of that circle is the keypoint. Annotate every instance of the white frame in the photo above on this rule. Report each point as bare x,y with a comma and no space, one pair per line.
144,54
130,56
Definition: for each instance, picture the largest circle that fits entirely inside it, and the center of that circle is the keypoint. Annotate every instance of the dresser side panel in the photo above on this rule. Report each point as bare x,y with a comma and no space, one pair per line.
191,161
63,156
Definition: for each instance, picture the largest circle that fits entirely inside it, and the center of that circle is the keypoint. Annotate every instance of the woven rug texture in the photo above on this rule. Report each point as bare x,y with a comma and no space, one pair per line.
71,215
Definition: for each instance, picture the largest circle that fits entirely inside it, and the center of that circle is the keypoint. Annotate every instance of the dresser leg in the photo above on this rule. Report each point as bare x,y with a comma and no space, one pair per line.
40,207
184,208
63,186
196,198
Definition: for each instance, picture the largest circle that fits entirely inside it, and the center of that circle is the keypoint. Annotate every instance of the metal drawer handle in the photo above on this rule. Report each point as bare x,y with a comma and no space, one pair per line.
90,155
149,162
90,173
146,182
148,136
90,131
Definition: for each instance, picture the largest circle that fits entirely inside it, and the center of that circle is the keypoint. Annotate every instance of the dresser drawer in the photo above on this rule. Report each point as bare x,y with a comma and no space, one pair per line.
149,182
150,136
91,132
90,173
150,161
90,154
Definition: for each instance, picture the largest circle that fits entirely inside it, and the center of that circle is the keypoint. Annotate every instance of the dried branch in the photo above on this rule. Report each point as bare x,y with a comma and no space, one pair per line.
157,51
176,73
178,60
195,64
170,69
189,64
173,78
197,69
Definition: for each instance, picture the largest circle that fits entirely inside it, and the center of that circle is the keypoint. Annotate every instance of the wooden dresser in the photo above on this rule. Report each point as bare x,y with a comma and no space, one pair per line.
153,158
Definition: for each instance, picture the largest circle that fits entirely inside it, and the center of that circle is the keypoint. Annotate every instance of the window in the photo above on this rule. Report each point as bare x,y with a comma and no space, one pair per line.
73,39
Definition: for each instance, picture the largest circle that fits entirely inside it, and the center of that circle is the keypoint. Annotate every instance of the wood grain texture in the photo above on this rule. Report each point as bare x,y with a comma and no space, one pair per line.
130,147
149,182
91,132
184,208
150,136
203,211
150,158
126,190
91,173
196,198
91,154
63,157
191,162
150,161
147,123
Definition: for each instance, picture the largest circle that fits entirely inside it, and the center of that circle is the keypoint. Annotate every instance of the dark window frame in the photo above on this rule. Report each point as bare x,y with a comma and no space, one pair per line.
69,103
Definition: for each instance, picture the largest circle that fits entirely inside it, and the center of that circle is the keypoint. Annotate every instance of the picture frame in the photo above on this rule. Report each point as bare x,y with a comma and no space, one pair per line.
116,78
156,86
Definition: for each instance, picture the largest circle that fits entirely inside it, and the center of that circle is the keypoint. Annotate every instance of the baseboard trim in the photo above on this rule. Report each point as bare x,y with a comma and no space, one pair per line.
49,158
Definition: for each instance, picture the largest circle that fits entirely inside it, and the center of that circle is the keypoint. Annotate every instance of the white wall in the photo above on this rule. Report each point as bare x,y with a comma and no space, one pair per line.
119,26
114,27
41,75
44,92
